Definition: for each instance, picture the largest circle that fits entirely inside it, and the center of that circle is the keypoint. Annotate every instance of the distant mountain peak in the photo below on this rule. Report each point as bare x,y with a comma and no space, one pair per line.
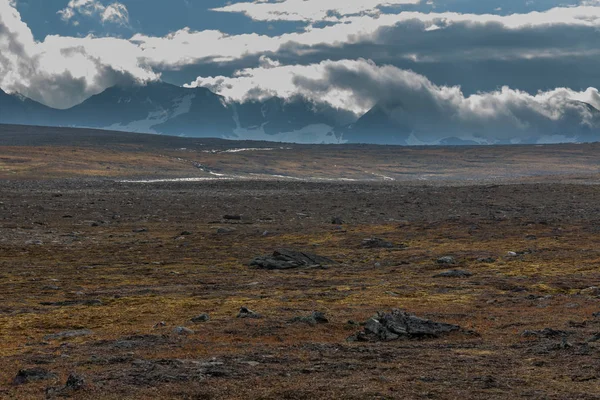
163,108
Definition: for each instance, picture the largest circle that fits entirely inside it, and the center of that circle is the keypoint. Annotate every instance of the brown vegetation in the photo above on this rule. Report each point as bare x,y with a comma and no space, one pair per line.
118,259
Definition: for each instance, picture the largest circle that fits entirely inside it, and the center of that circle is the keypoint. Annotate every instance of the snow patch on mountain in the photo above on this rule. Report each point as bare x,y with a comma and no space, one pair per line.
310,134
180,106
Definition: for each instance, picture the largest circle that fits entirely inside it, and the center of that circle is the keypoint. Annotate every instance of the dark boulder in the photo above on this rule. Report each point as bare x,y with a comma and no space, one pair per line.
31,375
454,273
544,333
248,313
288,259
446,260
376,243
400,324
317,317
75,382
337,221
68,334
201,318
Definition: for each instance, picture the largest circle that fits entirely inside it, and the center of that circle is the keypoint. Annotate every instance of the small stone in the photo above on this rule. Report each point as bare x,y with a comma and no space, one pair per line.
512,254
594,338
377,243
545,333
337,221
231,217
592,291
225,231
185,233
454,273
140,230
247,313
75,382
68,334
488,260
201,318
446,260
182,330
250,363
320,317
160,324
317,317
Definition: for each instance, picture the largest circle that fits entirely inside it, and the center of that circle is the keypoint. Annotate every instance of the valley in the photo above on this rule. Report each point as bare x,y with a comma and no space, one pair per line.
145,266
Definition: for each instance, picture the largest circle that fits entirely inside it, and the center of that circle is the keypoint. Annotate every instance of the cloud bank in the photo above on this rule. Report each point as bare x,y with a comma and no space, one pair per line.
309,10
411,99
474,50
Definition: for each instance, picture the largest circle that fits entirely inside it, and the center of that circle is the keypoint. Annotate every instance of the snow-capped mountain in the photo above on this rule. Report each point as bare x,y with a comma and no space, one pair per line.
162,108
399,123
198,112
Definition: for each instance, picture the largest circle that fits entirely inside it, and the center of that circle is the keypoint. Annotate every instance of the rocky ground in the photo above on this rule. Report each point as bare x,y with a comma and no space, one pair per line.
130,291
297,289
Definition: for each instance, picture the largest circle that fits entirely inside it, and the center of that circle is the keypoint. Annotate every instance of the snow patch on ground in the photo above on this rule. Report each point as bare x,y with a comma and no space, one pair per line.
172,180
248,149
556,139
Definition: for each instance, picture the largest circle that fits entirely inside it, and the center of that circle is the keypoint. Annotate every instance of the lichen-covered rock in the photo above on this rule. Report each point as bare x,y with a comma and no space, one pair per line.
201,318
248,313
446,260
400,324
289,259
454,273
182,330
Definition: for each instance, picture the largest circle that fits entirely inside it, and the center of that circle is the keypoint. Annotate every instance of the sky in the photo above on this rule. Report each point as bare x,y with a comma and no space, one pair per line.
498,59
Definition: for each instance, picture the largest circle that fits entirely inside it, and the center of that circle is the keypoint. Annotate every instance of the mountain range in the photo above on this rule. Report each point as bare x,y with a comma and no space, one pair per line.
163,108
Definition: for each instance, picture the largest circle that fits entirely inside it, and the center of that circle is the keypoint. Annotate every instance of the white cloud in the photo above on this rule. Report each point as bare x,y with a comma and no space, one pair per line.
186,47
309,10
62,71
410,98
115,13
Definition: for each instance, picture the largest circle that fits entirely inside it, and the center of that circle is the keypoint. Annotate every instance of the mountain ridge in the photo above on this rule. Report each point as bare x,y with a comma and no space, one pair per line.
162,108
